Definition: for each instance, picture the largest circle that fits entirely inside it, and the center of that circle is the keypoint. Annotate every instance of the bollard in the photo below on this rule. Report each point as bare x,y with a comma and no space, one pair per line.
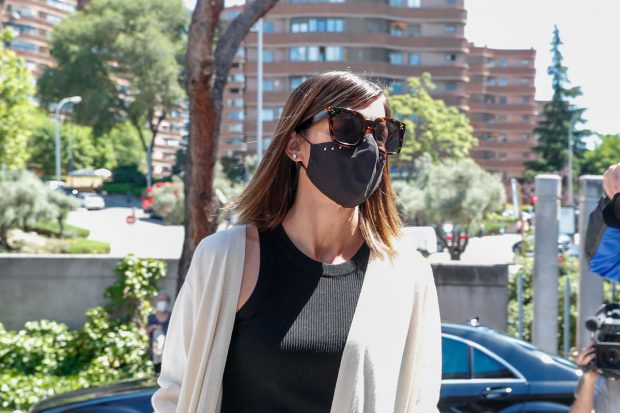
590,295
546,268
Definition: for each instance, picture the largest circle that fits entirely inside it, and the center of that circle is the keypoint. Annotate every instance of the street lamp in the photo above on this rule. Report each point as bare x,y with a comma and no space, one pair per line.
74,100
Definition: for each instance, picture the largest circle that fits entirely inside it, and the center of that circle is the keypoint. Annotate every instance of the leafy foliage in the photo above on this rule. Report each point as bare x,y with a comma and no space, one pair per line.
559,116
606,154
432,127
136,282
15,87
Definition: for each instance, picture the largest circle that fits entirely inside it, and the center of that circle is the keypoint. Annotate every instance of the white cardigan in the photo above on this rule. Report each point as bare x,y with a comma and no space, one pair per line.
392,356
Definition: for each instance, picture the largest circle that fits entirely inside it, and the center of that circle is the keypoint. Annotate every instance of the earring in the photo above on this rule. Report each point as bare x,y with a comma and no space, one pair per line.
294,156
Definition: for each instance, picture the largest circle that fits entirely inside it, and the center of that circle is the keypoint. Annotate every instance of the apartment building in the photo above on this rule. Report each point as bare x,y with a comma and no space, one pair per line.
387,40
502,108
33,21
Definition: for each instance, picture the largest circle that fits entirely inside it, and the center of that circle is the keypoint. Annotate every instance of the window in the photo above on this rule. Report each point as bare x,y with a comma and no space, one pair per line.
455,356
449,28
488,155
53,19
502,138
491,81
235,103
302,25
525,80
502,156
295,81
25,46
502,63
235,140
525,118
526,155
234,90
315,54
414,59
451,85
268,26
235,116
502,118
267,56
502,81
269,84
415,30
525,99
503,100
405,3
450,57
62,5
398,28
525,137
239,77
24,29
237,127
240,52
396,58
526,62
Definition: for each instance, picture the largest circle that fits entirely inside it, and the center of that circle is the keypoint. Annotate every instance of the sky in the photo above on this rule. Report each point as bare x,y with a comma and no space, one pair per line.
587,29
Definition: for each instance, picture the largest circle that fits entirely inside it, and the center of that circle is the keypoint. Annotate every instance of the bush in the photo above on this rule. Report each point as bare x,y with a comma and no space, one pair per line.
46,358
86,246
52,229
122,188
129,174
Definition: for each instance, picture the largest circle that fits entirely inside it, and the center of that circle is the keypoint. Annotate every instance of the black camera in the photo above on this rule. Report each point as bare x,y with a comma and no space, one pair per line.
605,326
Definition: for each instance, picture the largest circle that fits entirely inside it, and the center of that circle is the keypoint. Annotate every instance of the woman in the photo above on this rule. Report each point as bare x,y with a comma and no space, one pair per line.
312,304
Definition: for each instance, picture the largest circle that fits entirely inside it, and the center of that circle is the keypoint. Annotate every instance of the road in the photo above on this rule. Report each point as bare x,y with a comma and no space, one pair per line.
147,238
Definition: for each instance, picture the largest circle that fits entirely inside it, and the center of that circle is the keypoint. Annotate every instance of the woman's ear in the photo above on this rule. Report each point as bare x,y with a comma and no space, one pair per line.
293,147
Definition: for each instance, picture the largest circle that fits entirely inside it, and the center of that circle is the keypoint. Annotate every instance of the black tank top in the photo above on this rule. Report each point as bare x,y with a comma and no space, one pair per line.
289,336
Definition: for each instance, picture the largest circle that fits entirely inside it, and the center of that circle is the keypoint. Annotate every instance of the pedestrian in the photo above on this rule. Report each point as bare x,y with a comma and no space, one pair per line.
603,234
157,328
306,305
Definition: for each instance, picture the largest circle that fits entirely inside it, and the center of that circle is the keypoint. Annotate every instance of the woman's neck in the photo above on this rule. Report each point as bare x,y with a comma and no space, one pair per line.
324,231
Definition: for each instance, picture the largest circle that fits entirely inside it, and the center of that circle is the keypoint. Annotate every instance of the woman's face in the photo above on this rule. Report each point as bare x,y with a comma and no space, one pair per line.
319,132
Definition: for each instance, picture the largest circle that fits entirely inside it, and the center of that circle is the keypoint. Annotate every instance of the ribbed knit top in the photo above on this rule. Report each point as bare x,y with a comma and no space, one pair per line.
288,338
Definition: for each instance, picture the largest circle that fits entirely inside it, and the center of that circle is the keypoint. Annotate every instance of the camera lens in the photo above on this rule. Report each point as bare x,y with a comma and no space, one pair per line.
612,357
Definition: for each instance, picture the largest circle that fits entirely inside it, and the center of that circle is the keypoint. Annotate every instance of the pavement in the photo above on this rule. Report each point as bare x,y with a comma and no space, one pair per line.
489,250
147,237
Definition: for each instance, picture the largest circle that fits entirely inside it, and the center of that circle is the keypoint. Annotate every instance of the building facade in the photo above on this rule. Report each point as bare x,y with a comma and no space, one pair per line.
502,108
387,40
33,22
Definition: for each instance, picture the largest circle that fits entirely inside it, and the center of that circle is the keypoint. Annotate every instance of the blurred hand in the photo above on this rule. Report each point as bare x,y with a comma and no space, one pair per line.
585,357
611,180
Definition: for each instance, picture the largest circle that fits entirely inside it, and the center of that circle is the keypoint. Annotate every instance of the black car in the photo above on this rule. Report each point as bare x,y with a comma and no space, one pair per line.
487,371
483,372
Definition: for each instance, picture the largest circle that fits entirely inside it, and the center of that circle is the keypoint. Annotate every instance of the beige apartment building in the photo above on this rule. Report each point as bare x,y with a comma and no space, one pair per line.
502,108
388,41
33,21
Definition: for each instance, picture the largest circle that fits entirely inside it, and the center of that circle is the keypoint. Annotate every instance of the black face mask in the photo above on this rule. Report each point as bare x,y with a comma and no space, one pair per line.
348,176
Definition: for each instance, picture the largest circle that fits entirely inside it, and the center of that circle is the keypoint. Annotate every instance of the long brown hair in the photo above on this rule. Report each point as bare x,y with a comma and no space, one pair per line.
265,201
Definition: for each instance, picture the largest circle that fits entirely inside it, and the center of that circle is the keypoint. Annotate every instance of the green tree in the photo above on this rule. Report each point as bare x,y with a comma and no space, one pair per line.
123,58
15,87
606,154
458,192
79,147
126,147
432,127
558,117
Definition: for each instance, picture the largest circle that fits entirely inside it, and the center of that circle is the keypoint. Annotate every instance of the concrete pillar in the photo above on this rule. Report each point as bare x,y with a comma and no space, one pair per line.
590,296
547,223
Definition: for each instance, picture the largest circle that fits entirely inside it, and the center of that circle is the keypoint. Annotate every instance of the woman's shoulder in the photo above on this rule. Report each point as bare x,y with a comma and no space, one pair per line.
221,241
410,263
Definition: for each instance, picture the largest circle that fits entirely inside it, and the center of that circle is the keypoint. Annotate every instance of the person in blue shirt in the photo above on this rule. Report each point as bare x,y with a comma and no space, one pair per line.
603,235
596,392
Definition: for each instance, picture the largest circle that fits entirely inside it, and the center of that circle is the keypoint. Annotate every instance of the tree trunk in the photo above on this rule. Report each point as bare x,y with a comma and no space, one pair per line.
207,71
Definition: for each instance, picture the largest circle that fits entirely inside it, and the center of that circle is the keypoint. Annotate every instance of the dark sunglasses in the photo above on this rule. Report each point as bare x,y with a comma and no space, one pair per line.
348,127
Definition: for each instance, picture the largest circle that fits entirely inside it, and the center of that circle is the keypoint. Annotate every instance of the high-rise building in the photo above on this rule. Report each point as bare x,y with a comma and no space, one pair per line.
503,110
33,21
387,40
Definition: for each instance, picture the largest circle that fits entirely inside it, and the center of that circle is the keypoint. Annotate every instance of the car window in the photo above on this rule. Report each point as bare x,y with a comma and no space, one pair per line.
486,367
455,363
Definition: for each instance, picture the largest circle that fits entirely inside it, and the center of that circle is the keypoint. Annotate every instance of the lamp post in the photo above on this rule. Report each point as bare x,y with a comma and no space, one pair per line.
72,99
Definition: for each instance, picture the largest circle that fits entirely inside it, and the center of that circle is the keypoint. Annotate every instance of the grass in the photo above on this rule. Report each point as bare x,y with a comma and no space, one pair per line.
86,246
52,229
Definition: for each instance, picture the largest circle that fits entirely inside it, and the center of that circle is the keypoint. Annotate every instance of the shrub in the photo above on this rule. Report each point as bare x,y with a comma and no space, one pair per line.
52,229
86,246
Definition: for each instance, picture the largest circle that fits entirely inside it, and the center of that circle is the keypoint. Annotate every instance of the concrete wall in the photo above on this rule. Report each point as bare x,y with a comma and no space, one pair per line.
466,291
62,287
58,287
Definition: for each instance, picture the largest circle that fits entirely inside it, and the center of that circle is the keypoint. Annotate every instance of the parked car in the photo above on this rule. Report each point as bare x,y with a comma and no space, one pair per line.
487,371
483,371
91,200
